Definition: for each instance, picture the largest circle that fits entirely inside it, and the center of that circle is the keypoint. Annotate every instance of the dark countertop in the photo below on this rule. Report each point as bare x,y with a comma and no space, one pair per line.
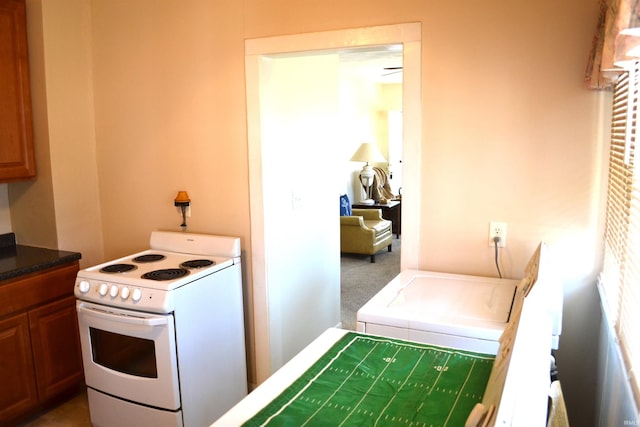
18,260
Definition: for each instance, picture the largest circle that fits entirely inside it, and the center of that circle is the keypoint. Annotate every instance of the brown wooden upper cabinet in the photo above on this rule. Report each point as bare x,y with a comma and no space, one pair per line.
17,159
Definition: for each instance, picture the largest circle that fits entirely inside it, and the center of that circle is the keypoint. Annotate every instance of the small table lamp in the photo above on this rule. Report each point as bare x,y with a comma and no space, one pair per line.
182,201
367,152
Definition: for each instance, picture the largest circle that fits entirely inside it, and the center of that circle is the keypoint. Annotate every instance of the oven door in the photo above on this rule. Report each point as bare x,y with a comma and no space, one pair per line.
130,354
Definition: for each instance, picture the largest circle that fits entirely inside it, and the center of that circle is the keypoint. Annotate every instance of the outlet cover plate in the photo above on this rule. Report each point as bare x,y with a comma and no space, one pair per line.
497,228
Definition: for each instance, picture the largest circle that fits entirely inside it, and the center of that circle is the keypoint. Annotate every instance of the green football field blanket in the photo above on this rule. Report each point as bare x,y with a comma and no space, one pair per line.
366,380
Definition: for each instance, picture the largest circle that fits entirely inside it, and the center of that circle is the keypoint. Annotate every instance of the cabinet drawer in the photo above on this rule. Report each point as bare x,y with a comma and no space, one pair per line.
37,288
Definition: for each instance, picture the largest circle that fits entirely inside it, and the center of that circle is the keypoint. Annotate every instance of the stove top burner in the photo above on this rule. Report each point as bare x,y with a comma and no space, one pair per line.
166,274
117,268
149,258
197,263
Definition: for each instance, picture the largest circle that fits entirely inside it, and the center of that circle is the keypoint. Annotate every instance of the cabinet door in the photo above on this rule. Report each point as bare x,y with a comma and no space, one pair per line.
17,159
56,347
18,392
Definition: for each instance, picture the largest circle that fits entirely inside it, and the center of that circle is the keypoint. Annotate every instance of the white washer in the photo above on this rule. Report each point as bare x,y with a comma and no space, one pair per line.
452,310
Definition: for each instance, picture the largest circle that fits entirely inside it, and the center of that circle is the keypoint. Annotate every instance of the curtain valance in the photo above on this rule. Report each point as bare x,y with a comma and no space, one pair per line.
618,31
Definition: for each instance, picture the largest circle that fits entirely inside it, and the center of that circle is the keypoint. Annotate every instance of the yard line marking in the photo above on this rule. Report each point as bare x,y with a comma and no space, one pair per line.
439,375
415,365
341,384
322,371
364,395
473,364
303,389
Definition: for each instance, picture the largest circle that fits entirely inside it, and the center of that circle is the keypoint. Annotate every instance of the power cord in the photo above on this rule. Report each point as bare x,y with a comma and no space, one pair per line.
496,240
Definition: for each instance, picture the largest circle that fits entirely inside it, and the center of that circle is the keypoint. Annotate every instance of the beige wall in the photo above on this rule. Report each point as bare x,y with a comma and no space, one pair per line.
5,212
69,92
169,92
508,133
60,208
32,206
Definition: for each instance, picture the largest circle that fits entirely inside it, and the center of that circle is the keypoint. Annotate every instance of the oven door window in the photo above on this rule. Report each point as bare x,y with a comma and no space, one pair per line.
124,353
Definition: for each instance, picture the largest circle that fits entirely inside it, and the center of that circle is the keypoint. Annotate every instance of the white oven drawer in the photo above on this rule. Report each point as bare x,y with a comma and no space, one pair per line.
108,411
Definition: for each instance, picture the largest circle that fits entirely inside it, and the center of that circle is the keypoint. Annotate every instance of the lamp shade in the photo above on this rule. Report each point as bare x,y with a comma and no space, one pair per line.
182,198
367,152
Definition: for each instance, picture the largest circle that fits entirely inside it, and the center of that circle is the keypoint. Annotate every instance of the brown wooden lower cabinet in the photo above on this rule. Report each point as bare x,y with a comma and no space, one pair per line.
56,351
18,393
40,358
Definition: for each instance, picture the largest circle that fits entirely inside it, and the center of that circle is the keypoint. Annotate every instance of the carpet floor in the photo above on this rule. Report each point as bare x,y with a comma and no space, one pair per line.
361,279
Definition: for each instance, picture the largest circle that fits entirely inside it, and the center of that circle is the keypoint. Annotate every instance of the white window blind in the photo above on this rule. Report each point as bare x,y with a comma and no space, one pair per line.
620,279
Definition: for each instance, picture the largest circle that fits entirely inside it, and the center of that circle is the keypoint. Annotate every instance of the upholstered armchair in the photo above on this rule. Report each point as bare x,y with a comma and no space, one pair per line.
364,232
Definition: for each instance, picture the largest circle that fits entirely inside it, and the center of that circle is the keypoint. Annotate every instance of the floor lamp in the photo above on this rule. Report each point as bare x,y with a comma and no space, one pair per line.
367,152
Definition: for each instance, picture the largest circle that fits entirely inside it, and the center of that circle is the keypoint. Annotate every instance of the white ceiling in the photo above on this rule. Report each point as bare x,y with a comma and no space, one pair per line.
370,62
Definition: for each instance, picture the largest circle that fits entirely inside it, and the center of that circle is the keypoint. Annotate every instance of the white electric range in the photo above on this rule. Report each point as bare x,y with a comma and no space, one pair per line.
162,332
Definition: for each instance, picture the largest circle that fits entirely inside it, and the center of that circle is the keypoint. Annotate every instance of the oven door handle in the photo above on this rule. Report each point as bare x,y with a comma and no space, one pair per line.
122,317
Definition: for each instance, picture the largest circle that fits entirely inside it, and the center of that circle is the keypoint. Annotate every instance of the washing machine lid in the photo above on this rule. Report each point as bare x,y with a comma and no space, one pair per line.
442,302
439,296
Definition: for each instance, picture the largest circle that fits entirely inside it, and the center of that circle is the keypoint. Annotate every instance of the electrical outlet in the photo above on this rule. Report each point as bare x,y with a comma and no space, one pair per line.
498,229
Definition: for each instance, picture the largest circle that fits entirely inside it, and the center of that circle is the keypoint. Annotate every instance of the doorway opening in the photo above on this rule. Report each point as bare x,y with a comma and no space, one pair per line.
294,136
371,103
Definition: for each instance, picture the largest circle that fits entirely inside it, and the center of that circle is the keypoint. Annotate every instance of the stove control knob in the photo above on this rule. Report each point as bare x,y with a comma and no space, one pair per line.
113,291
103,289
136,295
124,293
84,286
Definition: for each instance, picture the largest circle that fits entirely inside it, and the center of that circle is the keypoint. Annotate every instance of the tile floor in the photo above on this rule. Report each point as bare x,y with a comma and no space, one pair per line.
72,413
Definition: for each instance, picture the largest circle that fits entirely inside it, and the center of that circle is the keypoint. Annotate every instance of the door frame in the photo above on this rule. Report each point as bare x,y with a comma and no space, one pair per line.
409,35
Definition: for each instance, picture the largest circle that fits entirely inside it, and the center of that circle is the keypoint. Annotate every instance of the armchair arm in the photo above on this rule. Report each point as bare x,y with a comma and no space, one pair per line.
352,220
368,214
